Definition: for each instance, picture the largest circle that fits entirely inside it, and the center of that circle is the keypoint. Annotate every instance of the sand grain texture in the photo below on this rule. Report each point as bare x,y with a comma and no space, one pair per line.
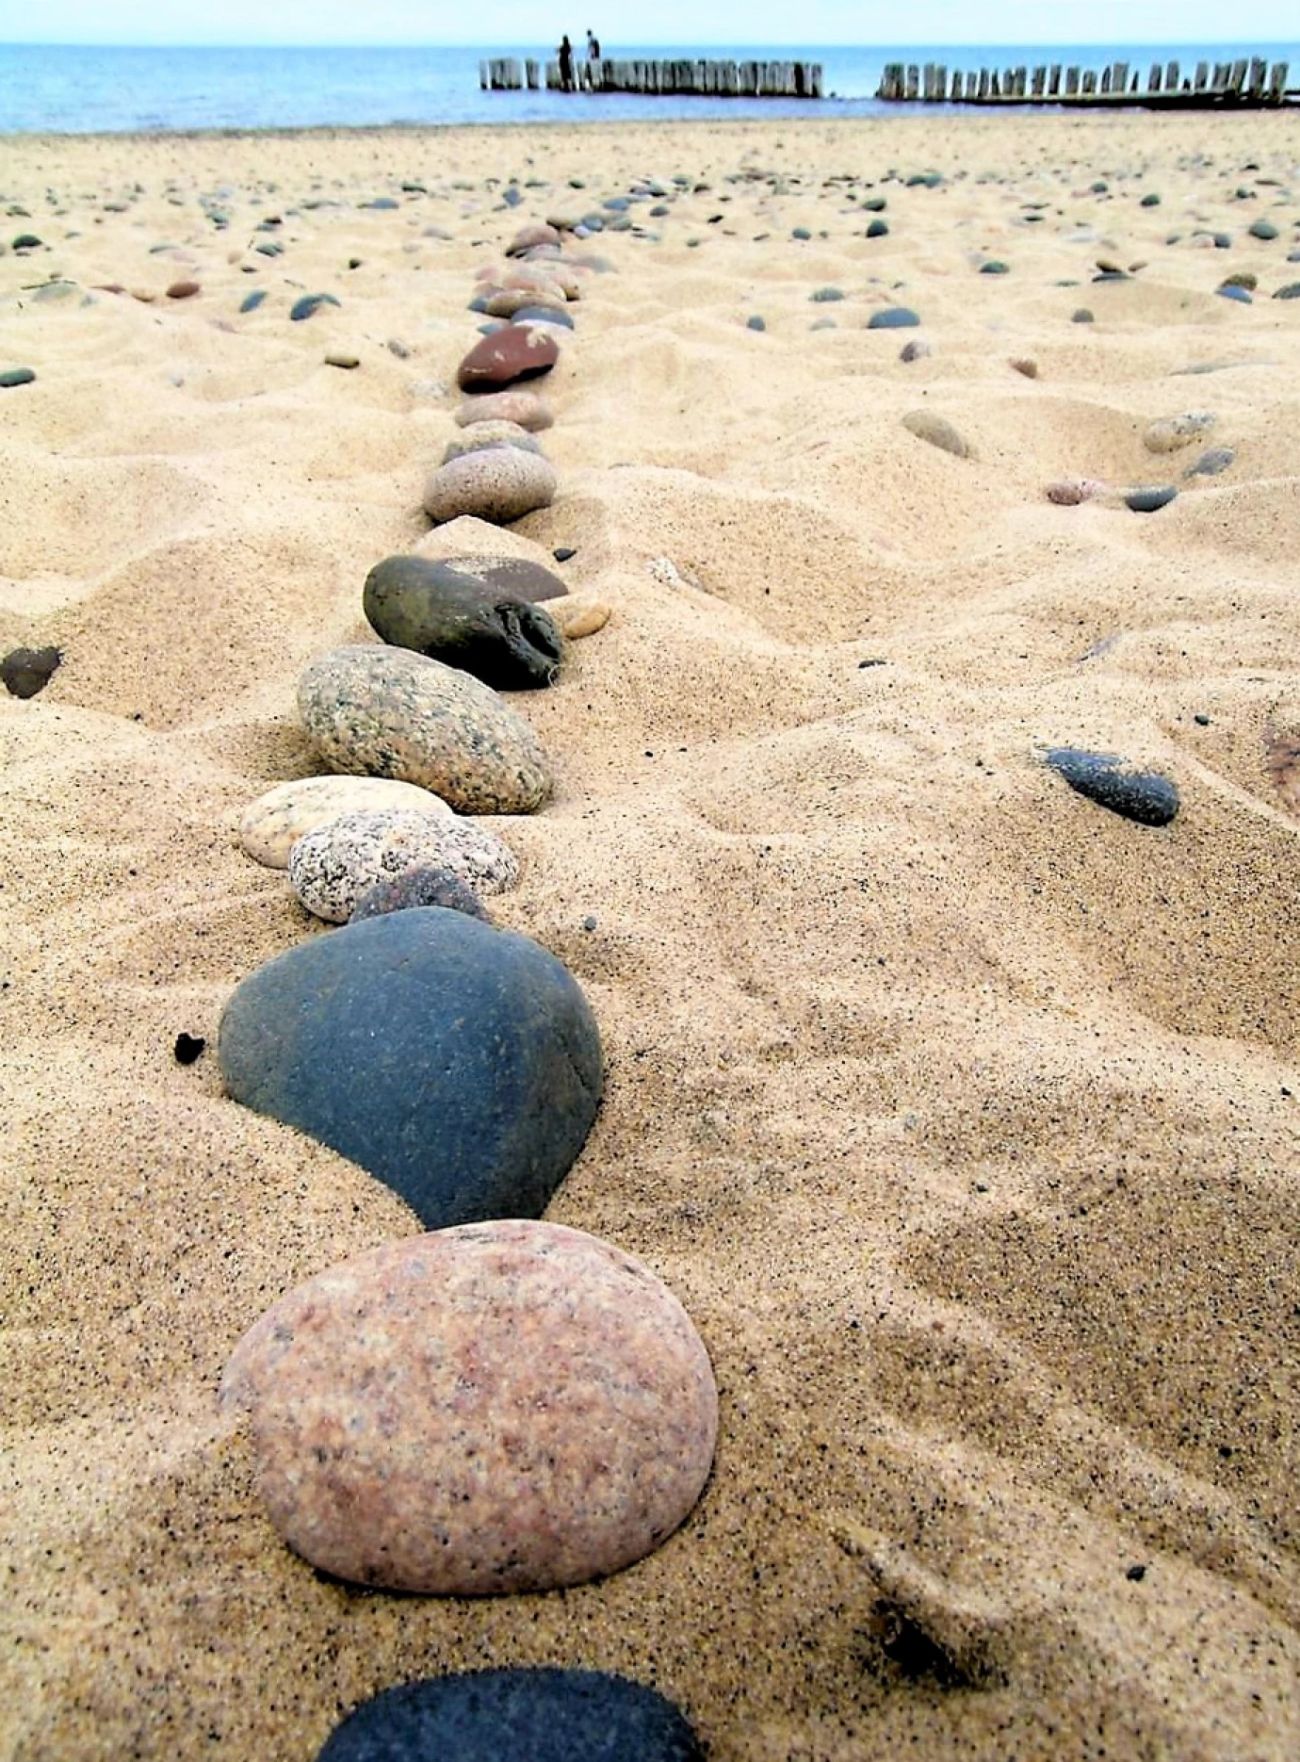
960,1114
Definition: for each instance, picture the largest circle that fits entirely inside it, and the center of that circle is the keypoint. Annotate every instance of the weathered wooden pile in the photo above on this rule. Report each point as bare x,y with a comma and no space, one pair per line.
1247,83
713,79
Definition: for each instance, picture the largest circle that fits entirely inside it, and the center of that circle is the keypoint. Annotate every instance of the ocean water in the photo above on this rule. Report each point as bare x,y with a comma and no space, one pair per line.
64,89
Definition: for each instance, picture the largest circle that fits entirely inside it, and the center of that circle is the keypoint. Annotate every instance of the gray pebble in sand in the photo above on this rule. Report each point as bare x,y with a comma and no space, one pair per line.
476,435
1148,499
755,323
827,294
1171,433
309,304
1211,462
25,672
15,376
1290,292
1081,315
1143,796
331,866
1233,292
916,350
893,318
419,887
878,229
928,425
377,711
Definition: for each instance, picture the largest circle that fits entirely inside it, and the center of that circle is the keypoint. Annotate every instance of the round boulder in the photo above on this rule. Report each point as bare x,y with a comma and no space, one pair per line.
459,617
472,1061
500,484
543,1714
330,868
509,1406
377,711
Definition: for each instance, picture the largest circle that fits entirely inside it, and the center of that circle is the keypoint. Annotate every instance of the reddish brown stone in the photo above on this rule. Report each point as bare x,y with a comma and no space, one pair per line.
507,1406
529,236
182,290
517,352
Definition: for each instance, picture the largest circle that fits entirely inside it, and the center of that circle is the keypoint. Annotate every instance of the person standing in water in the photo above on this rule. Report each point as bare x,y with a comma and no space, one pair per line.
593,46
566,63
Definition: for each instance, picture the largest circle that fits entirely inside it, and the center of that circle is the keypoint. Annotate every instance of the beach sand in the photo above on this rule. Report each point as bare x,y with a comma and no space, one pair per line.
960,1112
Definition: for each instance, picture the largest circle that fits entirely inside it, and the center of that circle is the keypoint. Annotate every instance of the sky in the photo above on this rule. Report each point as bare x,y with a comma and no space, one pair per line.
525,23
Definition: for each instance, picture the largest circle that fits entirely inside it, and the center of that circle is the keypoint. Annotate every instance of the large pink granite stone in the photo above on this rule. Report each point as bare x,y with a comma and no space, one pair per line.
504,1406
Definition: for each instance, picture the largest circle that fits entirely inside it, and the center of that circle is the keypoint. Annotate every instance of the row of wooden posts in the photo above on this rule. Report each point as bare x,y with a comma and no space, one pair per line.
715,79
1247,82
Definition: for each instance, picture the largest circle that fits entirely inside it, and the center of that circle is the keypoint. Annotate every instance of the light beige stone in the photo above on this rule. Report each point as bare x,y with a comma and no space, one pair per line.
274,823
579,614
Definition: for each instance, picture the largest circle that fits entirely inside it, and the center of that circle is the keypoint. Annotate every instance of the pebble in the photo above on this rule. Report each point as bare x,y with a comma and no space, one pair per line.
1232,292
310,303
514,353
1144,796
1211,462
878,229
28,671
916,350
528,237
543,315
13,376
505,302
519,577
995,267
459,617
1068,492
416,887
183,290
823,294
1290,292
330,867
579,615
275,822
893,318
1023,364
1171,433
541,1714
927,425
1082,315
504,1407
1262,229
337,359
489,434
251,302
524,408
756,322
499,484
1148,498
372,710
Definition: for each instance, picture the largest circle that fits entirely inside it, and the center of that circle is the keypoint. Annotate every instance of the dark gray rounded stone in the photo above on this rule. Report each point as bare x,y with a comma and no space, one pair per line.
1262,229
310,303
459,1064
417,887
460,618
878,229
995,266
515,576
17,376
893,318
251,302
1290,292
27,671
874,204
756,322
1149,499
1081,315
516,1715
1144,796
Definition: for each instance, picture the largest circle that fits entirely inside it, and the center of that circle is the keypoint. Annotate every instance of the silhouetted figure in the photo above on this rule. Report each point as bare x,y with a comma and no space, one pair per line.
566,63
593,46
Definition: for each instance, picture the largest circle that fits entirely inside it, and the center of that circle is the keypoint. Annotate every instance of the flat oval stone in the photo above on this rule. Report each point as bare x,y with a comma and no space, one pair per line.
417,887
331,867
541,1714
310,304
463,620
500,484
928,425
529,237
1144,796
377,711
893,318
509,1406
556,317
15,376
478,435
508,355
507,301
183,290
1211,462
277,820
1150,498
579,614
1171,433
525,408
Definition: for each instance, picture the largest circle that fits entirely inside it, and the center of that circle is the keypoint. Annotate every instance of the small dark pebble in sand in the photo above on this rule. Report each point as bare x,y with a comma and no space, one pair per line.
1290,292
1150,201
1135,1574
874,204
995,267
17,376
1081,315
27,671
1201,721
1211,462
1240,278
878,229
310,303
1147,499
26,241
562,553
380,202
338,359
188,1047
1263,229
251,302
893,318
538,1714
827,294
755,323
511,196
1143,796
801,232
182,290
1231,292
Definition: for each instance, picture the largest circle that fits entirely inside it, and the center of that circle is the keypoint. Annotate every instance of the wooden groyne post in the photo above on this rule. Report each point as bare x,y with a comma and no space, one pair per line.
703,79
1248,84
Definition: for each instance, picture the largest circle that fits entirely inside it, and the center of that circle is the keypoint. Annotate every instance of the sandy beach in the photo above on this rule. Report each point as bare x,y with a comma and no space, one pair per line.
961,1113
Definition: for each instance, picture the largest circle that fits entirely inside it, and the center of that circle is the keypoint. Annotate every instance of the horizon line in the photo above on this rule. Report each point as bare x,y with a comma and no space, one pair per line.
673,43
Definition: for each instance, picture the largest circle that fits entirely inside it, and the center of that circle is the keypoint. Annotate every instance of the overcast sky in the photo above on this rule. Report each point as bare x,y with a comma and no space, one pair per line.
528,22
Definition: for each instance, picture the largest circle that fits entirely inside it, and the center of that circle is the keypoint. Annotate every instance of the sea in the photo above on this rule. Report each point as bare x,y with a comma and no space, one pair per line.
90,90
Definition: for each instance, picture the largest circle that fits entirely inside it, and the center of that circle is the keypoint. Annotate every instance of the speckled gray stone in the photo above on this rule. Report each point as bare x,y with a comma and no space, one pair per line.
277,820
500,484
477,435
377,711
331,867
1172,433
1143,796
928,425
524,407
417,887
502,1407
